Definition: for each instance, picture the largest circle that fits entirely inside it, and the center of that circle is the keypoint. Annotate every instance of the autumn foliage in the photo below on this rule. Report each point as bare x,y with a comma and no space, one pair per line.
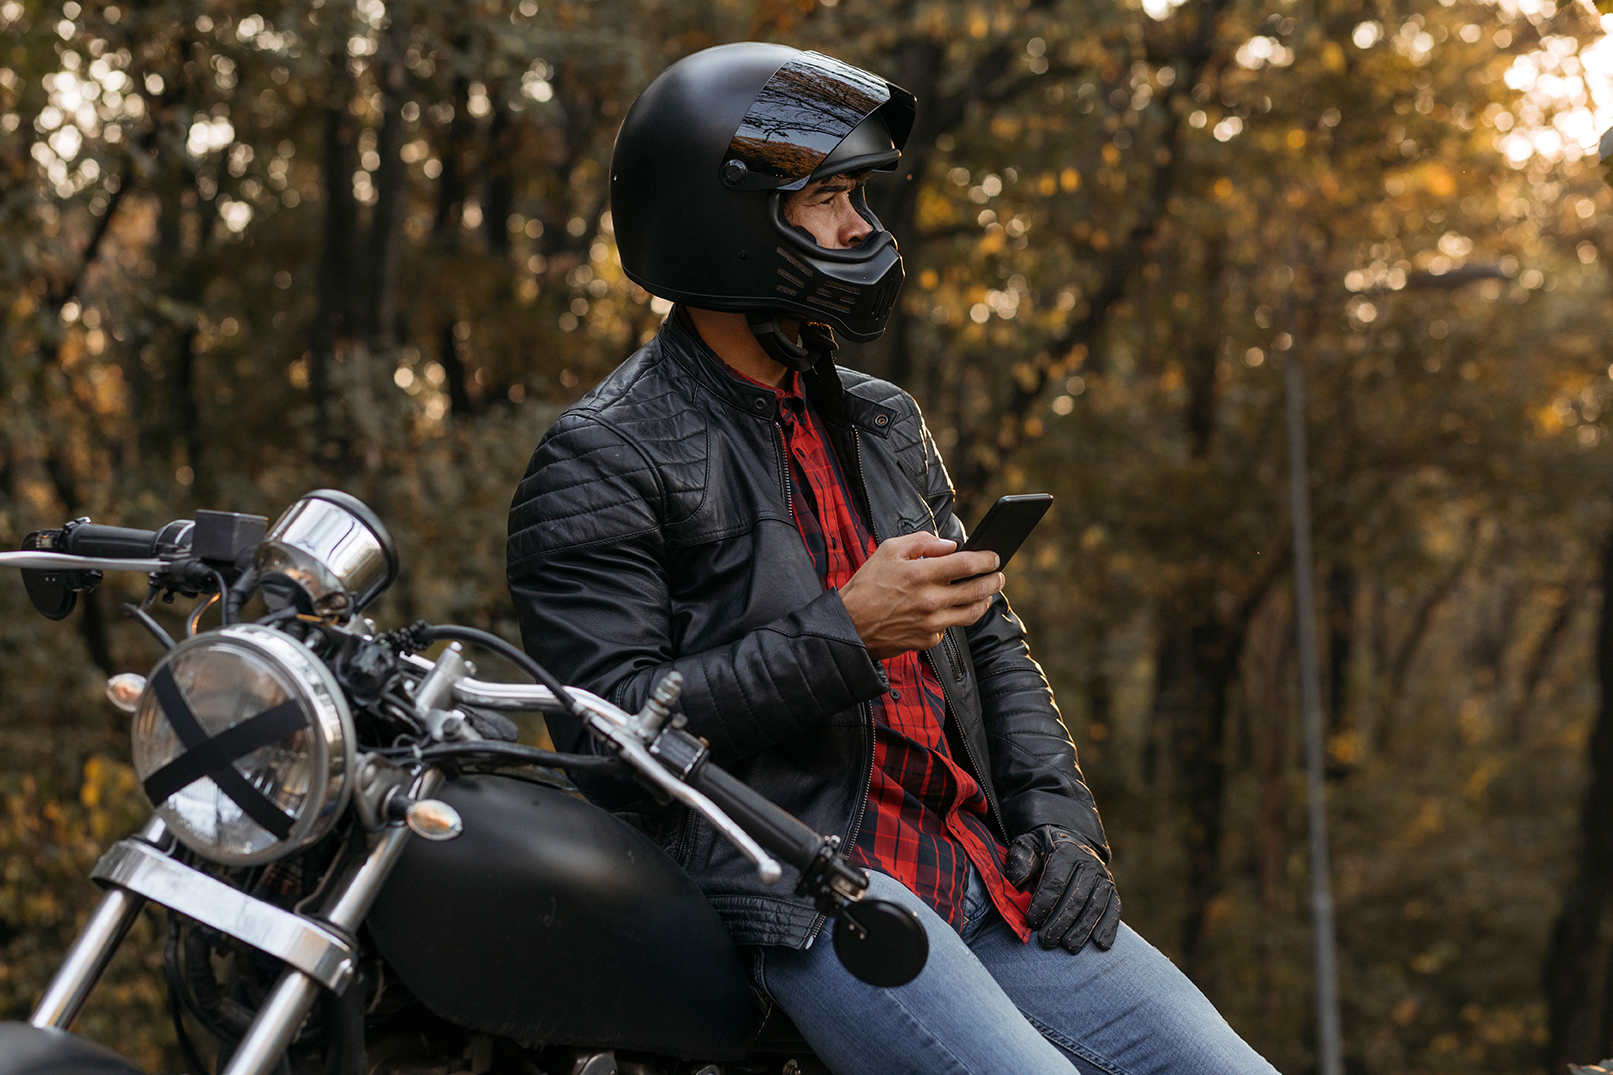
251,249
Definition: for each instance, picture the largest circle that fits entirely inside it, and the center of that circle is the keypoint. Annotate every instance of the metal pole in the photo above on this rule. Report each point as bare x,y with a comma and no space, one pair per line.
1327,978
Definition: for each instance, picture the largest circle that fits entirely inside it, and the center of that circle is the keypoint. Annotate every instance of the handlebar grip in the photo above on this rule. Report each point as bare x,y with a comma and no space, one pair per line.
773,827
115,542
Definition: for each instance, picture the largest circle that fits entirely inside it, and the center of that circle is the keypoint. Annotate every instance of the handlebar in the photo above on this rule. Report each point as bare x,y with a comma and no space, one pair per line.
185,556
110,542
617,727
773,827
746,817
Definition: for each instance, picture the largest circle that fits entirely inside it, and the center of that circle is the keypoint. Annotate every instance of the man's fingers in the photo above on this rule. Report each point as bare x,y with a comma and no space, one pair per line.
1067,916
919,545
1061,862
977,590
1108,927
962,565
957,616
1091,919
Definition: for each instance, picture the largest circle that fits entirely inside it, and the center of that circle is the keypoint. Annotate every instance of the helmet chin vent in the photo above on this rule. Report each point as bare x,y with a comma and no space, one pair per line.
885,296
802,267
829,300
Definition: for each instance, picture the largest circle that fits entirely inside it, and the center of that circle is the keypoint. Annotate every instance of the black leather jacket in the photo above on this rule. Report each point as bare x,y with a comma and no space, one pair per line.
653,531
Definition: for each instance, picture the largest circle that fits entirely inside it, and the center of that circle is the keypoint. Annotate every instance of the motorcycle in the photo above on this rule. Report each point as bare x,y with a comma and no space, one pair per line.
365,874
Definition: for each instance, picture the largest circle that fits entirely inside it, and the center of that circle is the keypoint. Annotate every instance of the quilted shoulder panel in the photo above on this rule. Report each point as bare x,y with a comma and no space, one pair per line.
628,458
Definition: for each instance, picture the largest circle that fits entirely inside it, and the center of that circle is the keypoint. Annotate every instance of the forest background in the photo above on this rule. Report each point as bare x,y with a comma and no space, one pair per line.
254,248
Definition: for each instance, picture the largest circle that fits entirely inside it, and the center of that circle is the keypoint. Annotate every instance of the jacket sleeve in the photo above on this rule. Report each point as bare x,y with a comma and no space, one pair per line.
587,570
1033,762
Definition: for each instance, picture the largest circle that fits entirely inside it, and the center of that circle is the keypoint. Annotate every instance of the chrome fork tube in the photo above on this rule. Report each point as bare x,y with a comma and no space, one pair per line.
288,1004
93,949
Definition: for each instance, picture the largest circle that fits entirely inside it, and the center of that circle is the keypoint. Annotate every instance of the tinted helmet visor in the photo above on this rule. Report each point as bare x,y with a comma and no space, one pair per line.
801,117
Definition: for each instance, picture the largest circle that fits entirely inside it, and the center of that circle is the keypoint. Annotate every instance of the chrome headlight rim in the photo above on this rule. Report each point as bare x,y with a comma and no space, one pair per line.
325,714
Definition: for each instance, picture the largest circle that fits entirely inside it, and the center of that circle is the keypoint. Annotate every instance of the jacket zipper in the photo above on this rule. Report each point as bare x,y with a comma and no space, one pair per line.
784,470
969,755
955,659
868,780
867,709
855,829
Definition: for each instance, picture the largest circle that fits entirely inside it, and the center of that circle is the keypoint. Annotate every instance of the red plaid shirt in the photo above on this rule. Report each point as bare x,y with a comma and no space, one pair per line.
926,819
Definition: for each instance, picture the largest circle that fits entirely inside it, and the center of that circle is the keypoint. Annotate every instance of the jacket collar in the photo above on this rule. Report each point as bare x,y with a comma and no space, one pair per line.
823,384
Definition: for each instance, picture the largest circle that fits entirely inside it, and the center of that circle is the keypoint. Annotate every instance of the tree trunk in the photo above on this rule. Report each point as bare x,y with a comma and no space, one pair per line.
498,196
390,180
453,368
1540,661
187,411
1199,739
1399,668
1340,642
1271,703
451,192
1203,355
337,298
1576,945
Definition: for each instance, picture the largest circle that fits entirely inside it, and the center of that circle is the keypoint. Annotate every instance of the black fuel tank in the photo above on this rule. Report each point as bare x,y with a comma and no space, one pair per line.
553,923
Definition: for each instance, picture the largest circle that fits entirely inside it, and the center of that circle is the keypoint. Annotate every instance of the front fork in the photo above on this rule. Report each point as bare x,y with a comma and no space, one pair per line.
282,1013
294,994
87,960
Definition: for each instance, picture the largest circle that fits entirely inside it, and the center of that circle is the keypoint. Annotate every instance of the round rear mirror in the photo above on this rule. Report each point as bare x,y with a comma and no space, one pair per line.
881,943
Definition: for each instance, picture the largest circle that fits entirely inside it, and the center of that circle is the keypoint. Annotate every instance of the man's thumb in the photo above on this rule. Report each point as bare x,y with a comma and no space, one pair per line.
1023,859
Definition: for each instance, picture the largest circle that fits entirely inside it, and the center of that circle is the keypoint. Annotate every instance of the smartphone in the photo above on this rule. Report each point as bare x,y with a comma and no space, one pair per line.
1007,525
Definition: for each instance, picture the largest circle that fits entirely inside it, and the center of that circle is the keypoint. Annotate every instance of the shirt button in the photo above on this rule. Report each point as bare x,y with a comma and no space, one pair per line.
896,695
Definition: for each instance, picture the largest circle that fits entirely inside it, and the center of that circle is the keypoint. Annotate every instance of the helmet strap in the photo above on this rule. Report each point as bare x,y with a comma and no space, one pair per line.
816,340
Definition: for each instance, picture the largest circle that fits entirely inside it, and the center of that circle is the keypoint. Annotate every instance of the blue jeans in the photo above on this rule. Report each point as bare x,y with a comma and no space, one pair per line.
985,1003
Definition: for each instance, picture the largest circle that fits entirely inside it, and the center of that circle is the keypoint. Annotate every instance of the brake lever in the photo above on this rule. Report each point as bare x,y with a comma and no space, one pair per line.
62,561
615,726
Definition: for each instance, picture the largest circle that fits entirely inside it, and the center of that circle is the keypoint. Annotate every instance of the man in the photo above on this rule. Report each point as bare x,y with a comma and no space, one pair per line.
731,505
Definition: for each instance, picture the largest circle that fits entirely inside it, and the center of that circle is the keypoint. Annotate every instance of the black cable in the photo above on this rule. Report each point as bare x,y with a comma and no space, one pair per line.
517,752
175,992
143,618
515,654
223,596
239,594
277,616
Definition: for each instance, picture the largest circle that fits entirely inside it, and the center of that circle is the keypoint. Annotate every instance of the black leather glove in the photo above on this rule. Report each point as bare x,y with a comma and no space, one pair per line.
1075,898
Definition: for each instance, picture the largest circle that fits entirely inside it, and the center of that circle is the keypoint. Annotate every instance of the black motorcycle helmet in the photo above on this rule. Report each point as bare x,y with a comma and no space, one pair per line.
701,167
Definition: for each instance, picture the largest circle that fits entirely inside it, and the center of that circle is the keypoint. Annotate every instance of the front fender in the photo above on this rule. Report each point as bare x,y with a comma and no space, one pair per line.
30,1050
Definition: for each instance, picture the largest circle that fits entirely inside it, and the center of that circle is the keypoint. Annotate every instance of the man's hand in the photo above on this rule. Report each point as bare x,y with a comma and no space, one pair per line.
1075,897
902,598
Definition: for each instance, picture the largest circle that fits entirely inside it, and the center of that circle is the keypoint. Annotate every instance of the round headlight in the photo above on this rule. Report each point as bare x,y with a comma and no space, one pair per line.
244,744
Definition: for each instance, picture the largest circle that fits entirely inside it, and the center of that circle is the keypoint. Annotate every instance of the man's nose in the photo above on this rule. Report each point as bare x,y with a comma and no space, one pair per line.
851,228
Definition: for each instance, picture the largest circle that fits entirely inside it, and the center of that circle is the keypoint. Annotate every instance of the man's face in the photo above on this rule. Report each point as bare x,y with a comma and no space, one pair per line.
824,208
